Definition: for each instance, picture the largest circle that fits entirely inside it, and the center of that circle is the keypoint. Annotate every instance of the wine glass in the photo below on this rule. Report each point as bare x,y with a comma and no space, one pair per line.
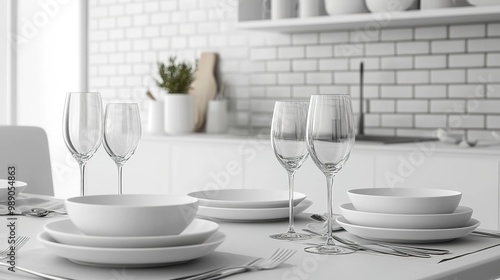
122,133
330,138
288,135
82,128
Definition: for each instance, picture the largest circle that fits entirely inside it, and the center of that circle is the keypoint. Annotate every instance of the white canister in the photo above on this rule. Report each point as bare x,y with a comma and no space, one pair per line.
179,113
309,8
283,9
217,117
155,117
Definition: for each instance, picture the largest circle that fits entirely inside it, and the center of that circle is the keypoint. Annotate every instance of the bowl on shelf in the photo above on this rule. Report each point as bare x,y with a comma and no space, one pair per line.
380,6
405,200
338,7
132,214
5,191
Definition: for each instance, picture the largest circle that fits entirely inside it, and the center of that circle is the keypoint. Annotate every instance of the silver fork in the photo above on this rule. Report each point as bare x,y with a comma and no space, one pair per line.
279,256
20,241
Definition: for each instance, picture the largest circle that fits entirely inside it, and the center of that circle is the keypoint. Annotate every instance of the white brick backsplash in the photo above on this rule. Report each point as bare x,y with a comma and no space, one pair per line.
107,70
430,121
483,106
363,36
335,90
396,34
124,46
449,46
447,76
279,91
140,45
493,59
291,52
492,90
404,48
318,78
372,120
134,8
117,58
305,38
333,64
348,50
187,29
493,122
466,91
466,121
161,18
151,7
382,106
333,37
319,51
398,62
179,17
212,27
493,29
412,106
431,32
178,42
168,5
160,43
466,60
124,21
305,65
169,30
106,23
368,91
278,40
428,91
133,33
483,75
262,105
304,91
396,92
467,31
379,77
198,15
257,91
447,106
430,61
380,49
345,77
370,63
399,120
291,79
278,66
263,54
380,131
198,42
484,45
152,31
107,47
263,79
413,77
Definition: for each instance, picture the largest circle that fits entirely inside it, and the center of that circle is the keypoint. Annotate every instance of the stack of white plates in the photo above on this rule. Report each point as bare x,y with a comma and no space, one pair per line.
114,243
407,215
248,205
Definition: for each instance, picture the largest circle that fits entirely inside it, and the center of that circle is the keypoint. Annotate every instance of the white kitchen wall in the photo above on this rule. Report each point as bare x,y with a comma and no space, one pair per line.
417,79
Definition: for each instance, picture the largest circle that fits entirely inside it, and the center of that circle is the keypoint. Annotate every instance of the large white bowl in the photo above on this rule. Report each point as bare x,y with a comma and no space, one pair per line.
411,221
337,7
5,192
405,200
380,6
132,215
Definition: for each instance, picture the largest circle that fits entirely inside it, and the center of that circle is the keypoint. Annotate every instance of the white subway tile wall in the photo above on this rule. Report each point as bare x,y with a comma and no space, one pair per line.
416,79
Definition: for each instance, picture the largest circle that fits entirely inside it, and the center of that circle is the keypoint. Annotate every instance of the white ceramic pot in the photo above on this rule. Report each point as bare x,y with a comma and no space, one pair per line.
380,6
283,9
437,4
337,7
217,116
178,113
309,8
155,117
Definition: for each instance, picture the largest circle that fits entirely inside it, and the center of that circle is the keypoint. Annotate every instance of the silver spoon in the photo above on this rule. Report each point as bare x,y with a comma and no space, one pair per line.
43,210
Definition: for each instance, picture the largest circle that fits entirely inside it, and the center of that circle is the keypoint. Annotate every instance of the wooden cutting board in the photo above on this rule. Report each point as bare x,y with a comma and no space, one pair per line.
204,87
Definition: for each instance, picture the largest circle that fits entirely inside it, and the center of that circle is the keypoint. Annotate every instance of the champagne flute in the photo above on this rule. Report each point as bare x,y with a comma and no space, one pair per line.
330,138
82,128
122,133
288,135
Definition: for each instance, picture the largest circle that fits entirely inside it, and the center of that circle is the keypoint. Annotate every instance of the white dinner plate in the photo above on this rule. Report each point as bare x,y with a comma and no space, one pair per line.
411,221
65,232
246,198
251,215
131,257
408,235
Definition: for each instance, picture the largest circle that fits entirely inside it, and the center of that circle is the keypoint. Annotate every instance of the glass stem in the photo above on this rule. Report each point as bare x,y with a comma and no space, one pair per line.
291,176
120,178
329,186
82,178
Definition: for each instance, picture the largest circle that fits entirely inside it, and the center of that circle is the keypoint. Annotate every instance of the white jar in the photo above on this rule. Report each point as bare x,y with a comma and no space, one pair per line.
283,9
309,8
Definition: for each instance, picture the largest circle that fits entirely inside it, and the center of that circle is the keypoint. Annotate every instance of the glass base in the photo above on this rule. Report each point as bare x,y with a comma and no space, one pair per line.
329,250
290,236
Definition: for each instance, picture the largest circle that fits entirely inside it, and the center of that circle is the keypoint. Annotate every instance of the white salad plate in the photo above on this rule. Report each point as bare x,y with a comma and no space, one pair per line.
408,235
410,221
65,232
131,257
249,214
246,198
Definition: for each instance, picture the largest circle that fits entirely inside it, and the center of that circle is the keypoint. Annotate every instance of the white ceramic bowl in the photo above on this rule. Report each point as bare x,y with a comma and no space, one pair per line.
405,200
337,7
380,6
407,221
132,215
4,189
484,2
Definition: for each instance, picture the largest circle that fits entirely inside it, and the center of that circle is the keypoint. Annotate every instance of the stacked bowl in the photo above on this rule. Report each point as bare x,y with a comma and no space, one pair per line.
131,231
407,215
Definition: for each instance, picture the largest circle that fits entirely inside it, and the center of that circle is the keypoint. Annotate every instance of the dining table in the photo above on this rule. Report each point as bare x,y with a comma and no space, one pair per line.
245,242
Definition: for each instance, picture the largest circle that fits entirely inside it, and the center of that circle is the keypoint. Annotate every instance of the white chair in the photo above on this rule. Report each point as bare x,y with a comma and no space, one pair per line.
27,149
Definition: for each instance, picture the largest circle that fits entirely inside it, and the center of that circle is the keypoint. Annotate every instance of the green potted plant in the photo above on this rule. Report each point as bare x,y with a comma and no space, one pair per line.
176,79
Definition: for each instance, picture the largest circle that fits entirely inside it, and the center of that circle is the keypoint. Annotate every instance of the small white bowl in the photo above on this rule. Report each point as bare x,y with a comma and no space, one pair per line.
405,200
338,7
407,221
5,192
380,6
132,214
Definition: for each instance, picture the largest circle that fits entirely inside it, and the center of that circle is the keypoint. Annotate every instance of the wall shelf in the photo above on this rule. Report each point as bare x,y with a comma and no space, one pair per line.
368,21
